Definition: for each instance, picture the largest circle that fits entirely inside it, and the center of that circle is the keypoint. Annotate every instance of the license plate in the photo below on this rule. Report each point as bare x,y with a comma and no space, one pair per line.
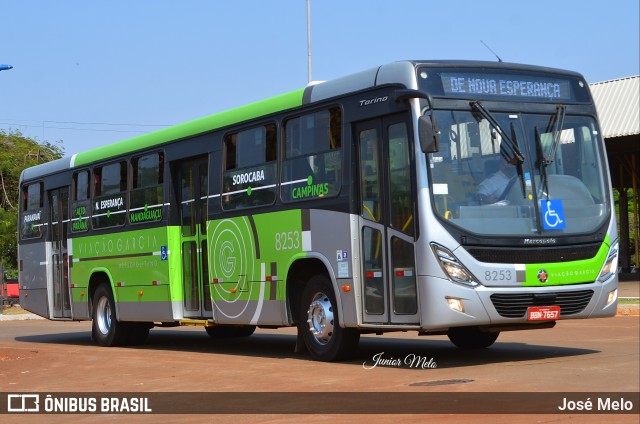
543,313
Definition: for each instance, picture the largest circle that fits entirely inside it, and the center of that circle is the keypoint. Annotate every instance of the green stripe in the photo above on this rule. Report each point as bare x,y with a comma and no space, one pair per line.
101,258
188,129
571,272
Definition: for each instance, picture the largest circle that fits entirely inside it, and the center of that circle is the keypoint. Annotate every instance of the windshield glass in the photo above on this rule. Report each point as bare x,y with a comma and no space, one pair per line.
558,189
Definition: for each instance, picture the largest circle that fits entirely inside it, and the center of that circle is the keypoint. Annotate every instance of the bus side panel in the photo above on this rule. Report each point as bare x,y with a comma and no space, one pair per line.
33,278
174,263
248,264
331,237
80,304
250,257
137,265
144,303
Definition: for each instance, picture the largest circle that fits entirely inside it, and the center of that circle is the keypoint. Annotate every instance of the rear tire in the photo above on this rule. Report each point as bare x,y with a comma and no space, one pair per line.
106,330
471,337
319,323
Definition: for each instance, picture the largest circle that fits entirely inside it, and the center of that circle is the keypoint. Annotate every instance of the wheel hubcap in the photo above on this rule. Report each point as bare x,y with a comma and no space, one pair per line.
320,319
104,315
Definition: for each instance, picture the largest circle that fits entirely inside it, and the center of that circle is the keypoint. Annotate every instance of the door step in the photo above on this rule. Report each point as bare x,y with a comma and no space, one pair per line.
197,322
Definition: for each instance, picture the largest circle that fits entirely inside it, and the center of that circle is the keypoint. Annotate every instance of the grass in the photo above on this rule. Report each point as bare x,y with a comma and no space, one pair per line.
629,301
14,310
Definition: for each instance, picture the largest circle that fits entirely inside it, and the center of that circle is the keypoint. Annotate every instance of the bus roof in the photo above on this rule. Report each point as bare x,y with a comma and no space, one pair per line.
402,73
191,128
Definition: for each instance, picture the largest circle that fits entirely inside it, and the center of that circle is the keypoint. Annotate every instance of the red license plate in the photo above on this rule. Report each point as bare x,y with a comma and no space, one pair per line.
543,313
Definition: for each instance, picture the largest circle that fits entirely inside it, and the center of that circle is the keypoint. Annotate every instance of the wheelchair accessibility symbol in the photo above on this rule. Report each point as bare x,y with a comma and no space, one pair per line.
552,215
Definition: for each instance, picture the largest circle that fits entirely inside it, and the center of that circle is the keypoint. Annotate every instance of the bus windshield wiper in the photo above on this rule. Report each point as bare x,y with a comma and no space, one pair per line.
514,157
541,163
515,152
557,130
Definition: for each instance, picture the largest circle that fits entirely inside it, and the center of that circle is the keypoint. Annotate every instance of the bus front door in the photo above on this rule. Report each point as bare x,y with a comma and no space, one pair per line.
58,262
192,192
387,225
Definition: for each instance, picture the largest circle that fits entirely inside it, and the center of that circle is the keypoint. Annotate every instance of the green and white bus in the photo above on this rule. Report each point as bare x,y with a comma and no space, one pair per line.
446,197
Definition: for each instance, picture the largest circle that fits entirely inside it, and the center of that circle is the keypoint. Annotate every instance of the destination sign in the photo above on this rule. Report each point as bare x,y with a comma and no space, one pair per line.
508,85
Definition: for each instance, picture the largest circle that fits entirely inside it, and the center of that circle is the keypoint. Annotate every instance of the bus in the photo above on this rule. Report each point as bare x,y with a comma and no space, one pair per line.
458,198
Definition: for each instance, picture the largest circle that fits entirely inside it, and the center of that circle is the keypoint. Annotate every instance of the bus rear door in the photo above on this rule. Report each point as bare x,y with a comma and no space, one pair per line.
58,263
192,190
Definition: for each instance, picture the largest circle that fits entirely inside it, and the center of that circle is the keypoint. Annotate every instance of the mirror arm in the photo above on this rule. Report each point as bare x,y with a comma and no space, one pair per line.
402,94
429,132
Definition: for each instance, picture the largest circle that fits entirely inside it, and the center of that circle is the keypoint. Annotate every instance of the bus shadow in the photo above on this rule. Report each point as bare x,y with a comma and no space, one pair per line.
390,352
71,339
416,353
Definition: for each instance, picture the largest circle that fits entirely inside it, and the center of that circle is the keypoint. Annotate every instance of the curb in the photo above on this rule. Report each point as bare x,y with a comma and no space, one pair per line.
628,310
19,317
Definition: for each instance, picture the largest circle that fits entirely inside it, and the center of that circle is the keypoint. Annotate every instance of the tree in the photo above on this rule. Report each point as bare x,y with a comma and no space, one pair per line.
18,153
8,240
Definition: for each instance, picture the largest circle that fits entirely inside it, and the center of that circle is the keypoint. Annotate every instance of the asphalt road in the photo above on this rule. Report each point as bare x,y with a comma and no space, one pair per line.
590,356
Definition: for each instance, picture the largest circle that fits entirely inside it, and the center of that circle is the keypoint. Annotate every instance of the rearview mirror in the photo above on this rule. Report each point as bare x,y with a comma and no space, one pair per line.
429,134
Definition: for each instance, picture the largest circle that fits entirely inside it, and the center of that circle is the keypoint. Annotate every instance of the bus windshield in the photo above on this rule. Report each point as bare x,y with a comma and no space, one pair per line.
480,186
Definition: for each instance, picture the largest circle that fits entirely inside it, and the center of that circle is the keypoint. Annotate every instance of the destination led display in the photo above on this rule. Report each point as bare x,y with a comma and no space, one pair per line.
521,86
506,85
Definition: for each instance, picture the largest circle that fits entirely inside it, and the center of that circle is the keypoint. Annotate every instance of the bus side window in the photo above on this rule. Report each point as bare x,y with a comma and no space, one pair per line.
401,193
249,174
110,200
80,201
370,175
312,162
32,218
147,195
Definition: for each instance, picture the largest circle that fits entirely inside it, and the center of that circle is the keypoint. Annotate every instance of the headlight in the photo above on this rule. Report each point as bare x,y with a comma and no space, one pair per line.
452,266
610,266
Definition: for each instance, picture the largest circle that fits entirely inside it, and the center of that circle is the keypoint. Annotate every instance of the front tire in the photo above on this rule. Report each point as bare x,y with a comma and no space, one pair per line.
106,330
471,337
319,323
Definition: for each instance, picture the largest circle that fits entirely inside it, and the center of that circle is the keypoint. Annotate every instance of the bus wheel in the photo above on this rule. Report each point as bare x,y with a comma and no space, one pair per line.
227,332
471,337
106,330
319,323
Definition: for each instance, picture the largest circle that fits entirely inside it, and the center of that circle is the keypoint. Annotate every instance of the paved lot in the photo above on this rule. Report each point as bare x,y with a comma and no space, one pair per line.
629,289
577,356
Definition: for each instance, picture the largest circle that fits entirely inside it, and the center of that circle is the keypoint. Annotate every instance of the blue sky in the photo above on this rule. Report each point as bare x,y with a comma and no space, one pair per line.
132,66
